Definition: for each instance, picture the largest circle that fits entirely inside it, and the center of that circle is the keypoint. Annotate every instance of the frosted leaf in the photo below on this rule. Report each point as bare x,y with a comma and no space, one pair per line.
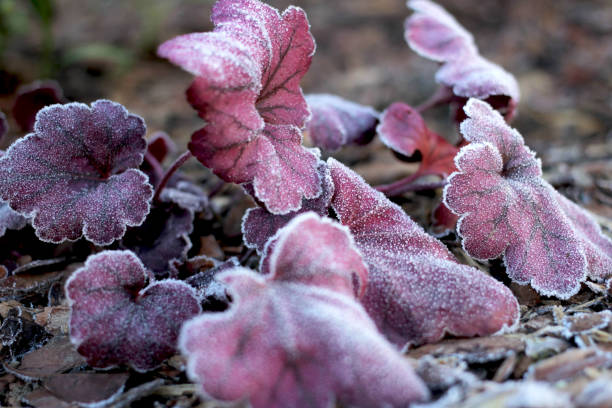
247,90
116,320
583,323
162,240
10,219
403,130
259,225
336,122
76,174
433,33
212,293
295,337
506,208
32,98
416,290
188,196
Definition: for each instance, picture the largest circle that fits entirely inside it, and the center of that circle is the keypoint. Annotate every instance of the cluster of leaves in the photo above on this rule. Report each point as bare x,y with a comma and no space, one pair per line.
346,278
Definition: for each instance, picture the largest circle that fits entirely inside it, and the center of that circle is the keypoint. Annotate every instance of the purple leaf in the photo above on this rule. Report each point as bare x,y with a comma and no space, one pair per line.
75,175
212,293
162,240
10,219
403,130
433,33
188,196
259,225
33,97
506,208
297,337
160,145
247,90
336,122
416,290
116,320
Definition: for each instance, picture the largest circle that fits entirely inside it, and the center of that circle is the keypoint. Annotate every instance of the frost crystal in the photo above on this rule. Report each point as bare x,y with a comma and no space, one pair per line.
506,208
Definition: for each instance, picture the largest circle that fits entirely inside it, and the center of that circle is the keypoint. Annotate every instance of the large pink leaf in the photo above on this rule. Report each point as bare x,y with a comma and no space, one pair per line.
404,131
116,320
507,209
433,33
416,290
297,337
247,89
336,122
259,225
76,174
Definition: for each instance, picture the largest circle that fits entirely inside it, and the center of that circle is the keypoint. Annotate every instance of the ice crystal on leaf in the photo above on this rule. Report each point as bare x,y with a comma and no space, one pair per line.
433,33
507,209
404,131
336,122
416,290
76,174
297,336
247,90
259,225
116,320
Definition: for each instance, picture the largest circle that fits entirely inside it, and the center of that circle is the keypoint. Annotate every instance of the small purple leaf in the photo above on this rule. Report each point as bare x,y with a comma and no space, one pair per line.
433,33
404,131
416,290
188,196
162,240
213,293
259,225
116,320
336,122
160,145
75,175
10,219
506,208
296,336
247,90
33,97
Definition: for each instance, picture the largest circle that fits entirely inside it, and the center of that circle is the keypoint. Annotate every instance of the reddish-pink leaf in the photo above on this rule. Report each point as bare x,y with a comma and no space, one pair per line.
247,89
76,174
443,220
297,337
33,97
433,33
259,225
404,131
507,209
116,320
160,145
336,122
416,290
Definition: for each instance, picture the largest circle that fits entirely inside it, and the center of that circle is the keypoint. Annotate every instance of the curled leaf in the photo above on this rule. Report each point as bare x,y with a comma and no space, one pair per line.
247,90
507,209
33,97
259,225
433,33
76,174
116,320
296,336
416,290
336,122
403,130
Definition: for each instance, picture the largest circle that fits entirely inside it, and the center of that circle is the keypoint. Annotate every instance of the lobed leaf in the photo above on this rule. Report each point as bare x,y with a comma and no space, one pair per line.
416,290
116,320
433,33
259,225
247,90
507,209
76,174
296,336
336,122
404,131
32,98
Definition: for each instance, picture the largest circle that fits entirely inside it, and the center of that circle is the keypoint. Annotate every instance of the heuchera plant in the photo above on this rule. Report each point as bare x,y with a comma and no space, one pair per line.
416,290
336,122
116,319
76,174
433,33
247,89
297,336
507,209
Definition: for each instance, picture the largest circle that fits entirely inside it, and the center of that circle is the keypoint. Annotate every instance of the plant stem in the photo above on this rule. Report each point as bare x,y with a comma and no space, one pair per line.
408,184
175,166
442,95
155,165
